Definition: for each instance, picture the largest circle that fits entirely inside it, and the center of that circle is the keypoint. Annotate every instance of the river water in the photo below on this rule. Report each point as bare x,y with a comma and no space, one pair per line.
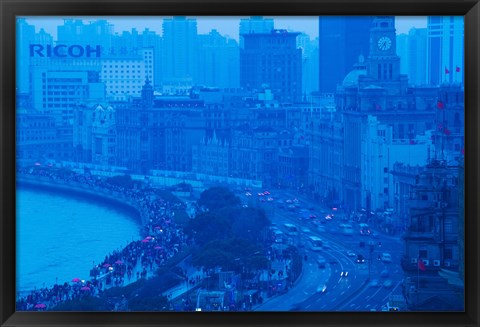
60,237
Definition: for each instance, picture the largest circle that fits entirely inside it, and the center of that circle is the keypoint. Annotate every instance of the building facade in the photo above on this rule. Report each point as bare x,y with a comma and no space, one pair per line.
272,60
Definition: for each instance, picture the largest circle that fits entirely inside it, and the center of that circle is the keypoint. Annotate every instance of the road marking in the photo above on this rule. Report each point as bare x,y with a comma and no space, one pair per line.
349,286
308,306
342,293
334,299
352,305
304,292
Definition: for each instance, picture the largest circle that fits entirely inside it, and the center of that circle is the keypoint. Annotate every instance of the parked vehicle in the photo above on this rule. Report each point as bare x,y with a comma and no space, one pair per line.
386,257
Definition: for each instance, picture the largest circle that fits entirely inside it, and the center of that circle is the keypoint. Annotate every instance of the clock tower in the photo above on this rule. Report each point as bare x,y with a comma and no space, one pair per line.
383,63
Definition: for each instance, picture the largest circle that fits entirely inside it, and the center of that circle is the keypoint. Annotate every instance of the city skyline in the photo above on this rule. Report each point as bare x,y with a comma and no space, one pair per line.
251,192
225,26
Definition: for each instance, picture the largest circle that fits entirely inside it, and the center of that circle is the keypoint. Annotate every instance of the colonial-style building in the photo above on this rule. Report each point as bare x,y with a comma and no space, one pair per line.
376,88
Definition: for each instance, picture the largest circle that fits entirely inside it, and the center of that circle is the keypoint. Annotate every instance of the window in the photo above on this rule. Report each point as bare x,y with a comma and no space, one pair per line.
448,254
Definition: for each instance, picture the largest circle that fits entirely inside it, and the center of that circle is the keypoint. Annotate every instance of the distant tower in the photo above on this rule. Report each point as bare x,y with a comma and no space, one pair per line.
147,95
179,48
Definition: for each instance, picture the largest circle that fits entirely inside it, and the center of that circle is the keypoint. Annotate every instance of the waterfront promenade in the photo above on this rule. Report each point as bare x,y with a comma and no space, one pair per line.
161,239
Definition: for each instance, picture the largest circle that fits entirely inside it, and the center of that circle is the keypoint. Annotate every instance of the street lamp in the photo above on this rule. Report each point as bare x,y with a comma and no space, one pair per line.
371,245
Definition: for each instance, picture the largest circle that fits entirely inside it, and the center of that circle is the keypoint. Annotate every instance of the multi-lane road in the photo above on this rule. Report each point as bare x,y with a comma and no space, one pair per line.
368,285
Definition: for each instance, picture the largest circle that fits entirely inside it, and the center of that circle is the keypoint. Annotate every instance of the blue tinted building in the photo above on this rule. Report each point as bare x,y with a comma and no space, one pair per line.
341,41
272,60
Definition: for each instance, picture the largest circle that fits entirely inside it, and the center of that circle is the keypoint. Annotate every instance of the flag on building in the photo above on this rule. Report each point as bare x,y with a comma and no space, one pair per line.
421,265
440,104
457,69
447,71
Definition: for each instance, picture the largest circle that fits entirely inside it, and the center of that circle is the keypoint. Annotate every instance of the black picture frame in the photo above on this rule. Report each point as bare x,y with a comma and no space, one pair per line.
11,8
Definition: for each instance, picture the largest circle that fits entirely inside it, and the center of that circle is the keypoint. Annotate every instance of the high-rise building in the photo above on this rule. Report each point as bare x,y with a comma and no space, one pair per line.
273,61
57,91
25,35
130,44
445,49
255,24
412,49
341,41
97,32
219,60
180,50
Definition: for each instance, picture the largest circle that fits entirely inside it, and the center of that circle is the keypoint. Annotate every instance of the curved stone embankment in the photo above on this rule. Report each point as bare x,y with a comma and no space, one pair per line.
96,193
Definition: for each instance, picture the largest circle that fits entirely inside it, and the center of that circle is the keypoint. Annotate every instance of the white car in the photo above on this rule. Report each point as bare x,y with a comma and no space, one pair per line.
351,254
322,289
387,283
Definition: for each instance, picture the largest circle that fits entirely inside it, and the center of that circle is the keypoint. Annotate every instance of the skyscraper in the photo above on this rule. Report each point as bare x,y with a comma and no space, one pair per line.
25,36
445,49
179,50
272,60
255,24
219,61
341,41
412,49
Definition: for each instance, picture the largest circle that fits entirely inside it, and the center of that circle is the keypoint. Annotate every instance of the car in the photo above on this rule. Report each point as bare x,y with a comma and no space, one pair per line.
322,288
321,262
306,230
351,254
386,257
360,258
387,284
374,283
384,273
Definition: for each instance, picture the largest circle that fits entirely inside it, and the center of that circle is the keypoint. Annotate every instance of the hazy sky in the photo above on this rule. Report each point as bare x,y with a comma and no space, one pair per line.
224,25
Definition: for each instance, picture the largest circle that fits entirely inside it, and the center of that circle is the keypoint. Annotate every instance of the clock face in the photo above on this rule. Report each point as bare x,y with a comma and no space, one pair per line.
384,43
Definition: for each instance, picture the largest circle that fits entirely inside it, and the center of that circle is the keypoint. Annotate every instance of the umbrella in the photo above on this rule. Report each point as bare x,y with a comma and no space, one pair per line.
119,262
145,241
148,238
106,265
76,280
41,306
157,227
158,248
85,288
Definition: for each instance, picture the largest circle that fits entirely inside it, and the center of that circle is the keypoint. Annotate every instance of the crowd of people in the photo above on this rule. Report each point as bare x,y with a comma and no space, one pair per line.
162,239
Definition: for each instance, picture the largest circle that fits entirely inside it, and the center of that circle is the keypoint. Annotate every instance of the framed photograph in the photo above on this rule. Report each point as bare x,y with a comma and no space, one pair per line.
235,163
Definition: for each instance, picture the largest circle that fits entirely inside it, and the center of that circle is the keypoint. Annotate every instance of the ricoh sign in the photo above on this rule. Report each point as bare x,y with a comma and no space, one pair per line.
63,51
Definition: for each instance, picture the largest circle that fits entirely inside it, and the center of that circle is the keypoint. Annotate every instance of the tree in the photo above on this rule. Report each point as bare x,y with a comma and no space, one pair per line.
235,254
249,223
124,181
208,226
218,197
